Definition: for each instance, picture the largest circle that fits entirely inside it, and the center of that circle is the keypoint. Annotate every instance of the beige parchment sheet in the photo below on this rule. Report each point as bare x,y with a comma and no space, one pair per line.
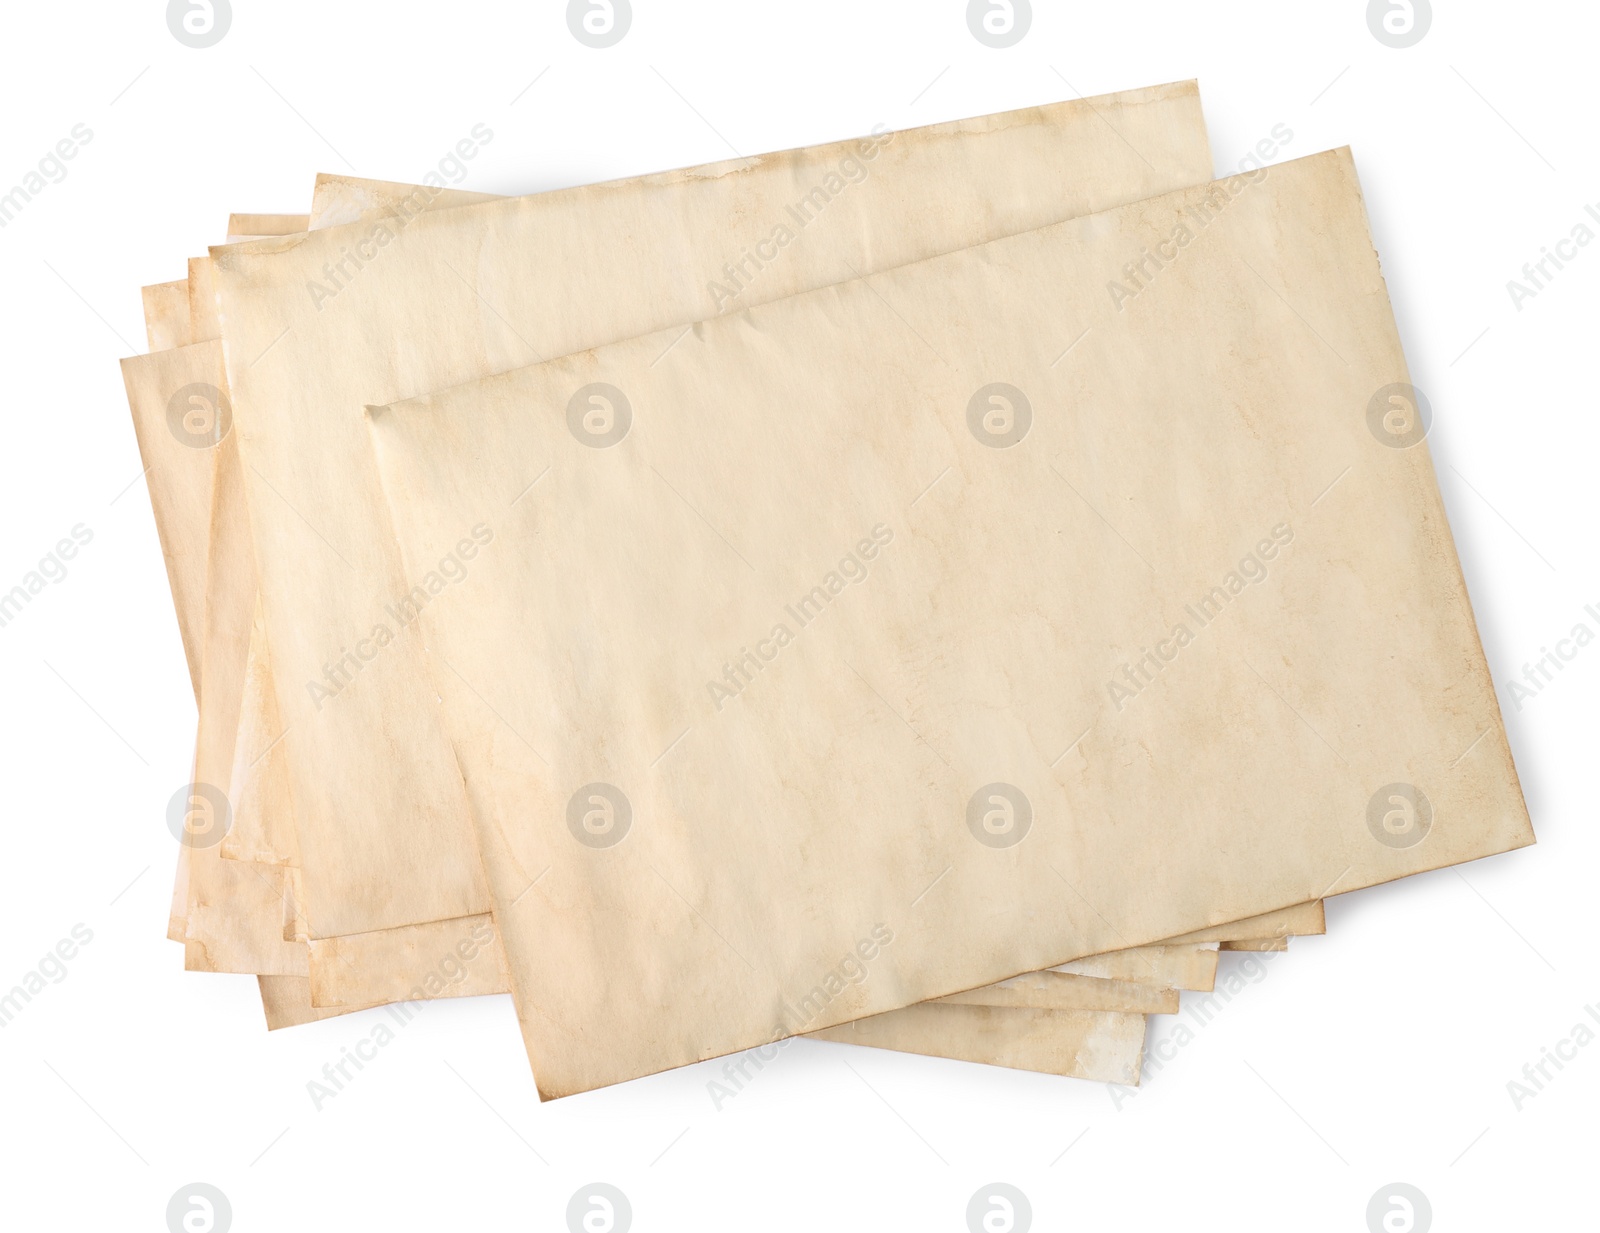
1181,966
764,841
166,315
218,910
174,425
257,226
172,395
226,914
204,323
222,912
1105,1045
310,336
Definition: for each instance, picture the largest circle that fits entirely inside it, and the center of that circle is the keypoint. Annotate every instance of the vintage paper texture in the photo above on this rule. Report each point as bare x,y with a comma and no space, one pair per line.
166,315
287,1003
380,810
263,809
230,903
1181,966
280,851
1104,1046
236,906
1302,920
258,226
359,197
845,436
424,961
221,912
339,200
176,419
364,969
1187,962
1064,991
229,914
225,913
1095,1000
204,322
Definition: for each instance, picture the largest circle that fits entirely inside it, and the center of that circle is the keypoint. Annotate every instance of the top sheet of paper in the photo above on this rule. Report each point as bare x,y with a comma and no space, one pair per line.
320,324
1106,607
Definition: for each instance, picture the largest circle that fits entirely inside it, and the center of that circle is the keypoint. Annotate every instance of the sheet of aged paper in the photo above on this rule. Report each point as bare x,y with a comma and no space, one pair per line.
264,828
236,907
166,315
228,915
177,417
287,1003
1065,991
225,914
1183,966
370,312
257,226
1086,1044
853,482
203,320
1302,920
221,911
340,200
1187,962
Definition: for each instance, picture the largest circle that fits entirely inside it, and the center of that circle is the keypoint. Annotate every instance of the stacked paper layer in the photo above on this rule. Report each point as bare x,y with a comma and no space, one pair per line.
930,591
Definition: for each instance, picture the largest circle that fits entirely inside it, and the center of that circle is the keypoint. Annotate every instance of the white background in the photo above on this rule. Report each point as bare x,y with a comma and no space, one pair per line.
1379,1053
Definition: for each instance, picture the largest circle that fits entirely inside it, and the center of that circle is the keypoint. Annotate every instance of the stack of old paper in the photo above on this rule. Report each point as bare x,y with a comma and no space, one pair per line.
930,591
